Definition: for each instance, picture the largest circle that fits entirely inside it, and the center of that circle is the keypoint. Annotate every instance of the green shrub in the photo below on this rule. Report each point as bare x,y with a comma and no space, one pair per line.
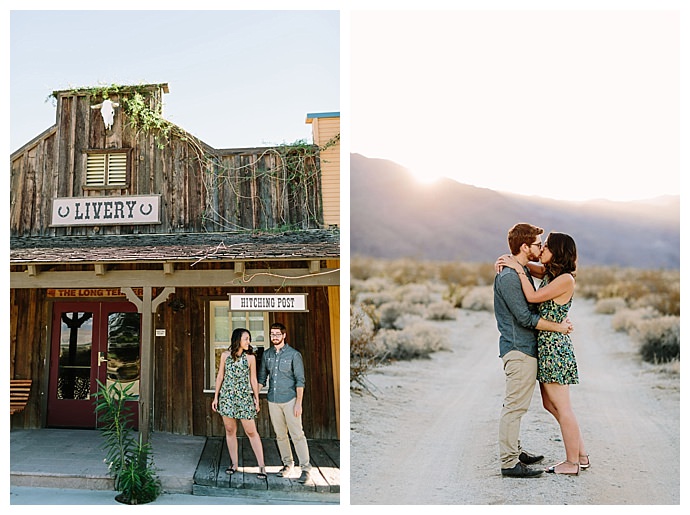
659,339
129,460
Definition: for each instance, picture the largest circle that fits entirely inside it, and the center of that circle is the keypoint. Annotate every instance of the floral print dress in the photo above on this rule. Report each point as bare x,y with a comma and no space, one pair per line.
555,350
235,399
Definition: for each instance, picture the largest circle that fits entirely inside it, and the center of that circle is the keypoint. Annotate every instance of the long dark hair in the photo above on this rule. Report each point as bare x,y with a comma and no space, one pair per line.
235,342
564,255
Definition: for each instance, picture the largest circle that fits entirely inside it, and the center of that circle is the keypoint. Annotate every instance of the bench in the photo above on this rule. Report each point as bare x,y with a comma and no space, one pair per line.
19,394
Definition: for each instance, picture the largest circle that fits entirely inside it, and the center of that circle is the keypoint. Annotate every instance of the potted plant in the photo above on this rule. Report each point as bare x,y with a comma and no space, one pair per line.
129,460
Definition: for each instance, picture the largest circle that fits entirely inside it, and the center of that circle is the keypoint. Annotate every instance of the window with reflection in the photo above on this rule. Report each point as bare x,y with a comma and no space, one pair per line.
74,364
222,323
123,350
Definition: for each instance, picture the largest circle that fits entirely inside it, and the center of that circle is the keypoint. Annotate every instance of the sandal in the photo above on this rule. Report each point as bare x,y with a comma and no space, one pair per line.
552,470
262,473
231,470
584,466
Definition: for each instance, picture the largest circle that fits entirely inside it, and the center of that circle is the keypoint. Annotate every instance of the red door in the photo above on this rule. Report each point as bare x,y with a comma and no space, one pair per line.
90,341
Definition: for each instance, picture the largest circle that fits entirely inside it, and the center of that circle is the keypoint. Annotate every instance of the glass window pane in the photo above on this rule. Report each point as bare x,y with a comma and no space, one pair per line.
74,365
220,328
123,350
223,322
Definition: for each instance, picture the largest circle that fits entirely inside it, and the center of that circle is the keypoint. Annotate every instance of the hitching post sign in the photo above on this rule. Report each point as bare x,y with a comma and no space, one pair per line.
268,302
139,209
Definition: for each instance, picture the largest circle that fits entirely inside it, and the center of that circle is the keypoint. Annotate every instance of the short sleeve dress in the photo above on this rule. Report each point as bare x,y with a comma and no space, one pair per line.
235,399
556,363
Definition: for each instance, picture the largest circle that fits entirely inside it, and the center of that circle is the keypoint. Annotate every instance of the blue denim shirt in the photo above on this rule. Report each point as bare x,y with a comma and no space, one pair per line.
286,372
516,318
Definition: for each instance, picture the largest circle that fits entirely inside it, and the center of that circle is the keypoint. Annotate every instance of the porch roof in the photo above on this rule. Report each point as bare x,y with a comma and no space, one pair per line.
180,247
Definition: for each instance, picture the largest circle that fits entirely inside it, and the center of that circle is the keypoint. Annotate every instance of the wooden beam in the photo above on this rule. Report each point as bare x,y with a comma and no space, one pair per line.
181,278
168,268
239,267
32,270
99,269
147,307
314,266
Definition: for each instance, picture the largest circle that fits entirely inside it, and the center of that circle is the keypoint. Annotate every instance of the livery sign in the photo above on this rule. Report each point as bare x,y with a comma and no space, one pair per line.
132,210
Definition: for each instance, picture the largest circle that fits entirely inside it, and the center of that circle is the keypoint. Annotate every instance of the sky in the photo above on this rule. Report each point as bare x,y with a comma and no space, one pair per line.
237,78
569,104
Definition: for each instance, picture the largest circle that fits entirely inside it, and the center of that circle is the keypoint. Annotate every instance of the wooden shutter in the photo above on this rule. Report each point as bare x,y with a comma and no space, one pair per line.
95,169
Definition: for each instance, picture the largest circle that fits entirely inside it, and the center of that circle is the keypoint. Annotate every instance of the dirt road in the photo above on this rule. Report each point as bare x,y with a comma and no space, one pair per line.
430,435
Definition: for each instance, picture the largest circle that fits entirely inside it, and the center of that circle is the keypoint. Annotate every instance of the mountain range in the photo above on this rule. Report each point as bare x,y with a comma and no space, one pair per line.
393,215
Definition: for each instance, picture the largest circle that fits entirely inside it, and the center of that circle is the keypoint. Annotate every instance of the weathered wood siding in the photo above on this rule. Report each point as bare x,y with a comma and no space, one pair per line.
181,405
28,350
202,189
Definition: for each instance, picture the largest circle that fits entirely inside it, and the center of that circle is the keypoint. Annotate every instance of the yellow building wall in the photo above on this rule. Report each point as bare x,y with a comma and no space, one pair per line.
325,129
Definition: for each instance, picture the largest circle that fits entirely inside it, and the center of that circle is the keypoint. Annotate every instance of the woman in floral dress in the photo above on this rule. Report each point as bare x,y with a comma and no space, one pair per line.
557,368
237,397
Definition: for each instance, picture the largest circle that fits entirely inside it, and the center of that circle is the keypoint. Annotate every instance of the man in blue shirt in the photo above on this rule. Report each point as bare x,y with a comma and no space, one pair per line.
283,366
517,322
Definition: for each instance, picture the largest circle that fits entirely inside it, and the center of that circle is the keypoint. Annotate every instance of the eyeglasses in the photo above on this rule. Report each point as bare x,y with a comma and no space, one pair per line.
276,334
538,244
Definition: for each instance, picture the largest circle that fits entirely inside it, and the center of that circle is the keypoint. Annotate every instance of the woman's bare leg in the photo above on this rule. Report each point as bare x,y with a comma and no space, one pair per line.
559,397
249,427
231,440
553,409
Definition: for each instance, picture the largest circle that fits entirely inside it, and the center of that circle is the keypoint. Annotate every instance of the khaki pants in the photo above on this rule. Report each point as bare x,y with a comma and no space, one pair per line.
284,421
521,376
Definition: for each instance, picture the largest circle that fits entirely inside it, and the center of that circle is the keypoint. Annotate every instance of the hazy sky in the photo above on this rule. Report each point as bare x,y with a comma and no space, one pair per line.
570,104
236,78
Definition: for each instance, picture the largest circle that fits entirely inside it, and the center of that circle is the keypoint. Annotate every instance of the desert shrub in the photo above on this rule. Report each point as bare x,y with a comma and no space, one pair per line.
659,289
610,306
362,351
364,268
466,274
659,339
390,312
480,298
414,293
667,303
407,270
416,341
454,294
440,311
376,299
627,319
375,284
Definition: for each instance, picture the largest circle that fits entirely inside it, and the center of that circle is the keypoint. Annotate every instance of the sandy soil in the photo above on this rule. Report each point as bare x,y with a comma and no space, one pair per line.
429,436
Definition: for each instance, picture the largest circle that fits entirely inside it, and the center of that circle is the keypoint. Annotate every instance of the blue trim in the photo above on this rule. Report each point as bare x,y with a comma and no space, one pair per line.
335,114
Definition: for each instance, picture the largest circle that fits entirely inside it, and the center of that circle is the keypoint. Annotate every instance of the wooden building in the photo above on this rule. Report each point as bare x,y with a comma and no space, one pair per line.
130,238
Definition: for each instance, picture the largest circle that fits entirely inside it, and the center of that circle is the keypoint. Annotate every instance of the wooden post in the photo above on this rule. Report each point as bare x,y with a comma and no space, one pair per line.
147,307
334,314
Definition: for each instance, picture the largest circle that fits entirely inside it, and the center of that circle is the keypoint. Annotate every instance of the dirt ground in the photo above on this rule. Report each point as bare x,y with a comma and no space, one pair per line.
429,436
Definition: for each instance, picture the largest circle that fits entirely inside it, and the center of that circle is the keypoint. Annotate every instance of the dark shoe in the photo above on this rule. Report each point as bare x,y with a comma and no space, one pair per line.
521,470
285,471
231,470
529,459
304,476
262,473
552,470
